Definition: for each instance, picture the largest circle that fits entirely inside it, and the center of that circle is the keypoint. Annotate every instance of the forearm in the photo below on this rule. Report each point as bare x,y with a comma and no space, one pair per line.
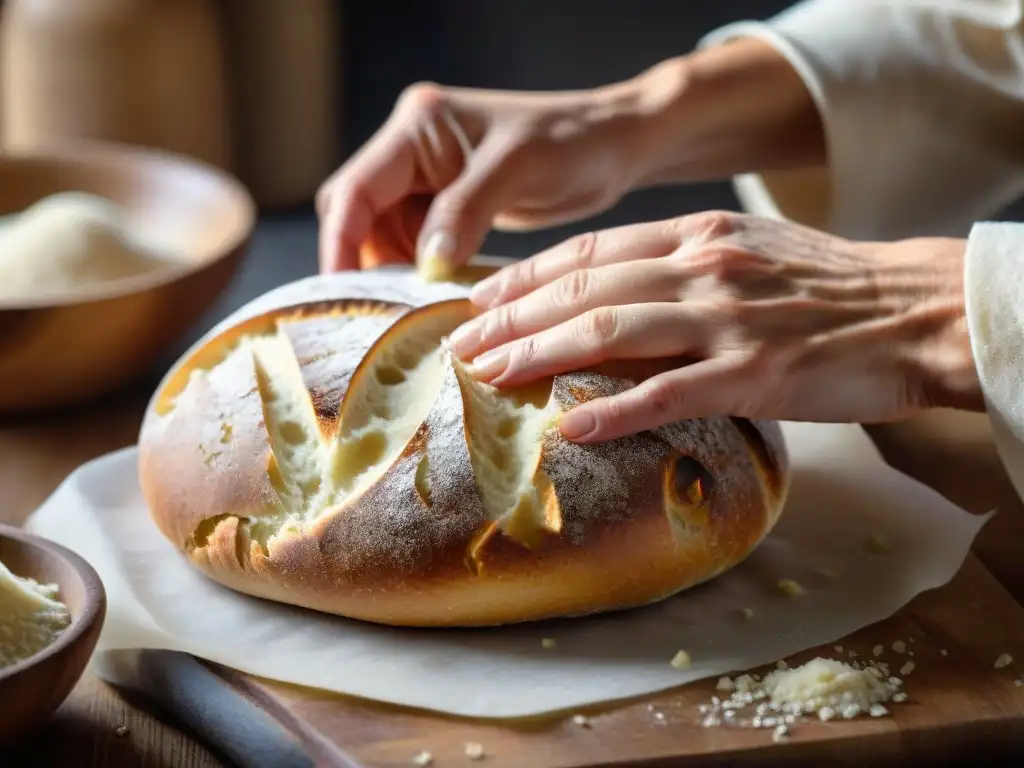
728,109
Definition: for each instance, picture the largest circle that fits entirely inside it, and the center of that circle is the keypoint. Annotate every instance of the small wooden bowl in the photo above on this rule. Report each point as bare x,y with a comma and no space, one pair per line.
60,351
33,689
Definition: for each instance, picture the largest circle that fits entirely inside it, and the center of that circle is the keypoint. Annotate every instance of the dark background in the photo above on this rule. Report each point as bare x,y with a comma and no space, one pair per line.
528,44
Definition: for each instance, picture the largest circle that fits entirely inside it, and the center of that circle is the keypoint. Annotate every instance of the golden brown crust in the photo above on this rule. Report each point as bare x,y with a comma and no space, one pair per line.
633,520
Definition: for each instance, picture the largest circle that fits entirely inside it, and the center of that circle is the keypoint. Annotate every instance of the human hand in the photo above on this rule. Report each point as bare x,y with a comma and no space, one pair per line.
451,162
782,321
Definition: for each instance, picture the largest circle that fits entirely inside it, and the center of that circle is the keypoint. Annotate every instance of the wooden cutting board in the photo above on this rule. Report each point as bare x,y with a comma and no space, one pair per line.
959,708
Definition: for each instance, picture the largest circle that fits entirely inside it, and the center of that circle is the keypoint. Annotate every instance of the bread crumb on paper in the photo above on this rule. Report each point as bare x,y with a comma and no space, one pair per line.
474,751
790,587
423,759
582,721
681,660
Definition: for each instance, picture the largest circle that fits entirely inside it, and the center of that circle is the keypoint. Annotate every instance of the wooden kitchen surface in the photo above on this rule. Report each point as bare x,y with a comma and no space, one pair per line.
950,451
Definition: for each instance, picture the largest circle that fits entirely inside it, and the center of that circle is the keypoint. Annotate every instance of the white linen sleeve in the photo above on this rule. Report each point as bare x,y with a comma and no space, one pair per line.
994,295
923,109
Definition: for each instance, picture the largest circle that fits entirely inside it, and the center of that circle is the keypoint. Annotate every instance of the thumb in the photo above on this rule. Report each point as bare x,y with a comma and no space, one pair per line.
461,214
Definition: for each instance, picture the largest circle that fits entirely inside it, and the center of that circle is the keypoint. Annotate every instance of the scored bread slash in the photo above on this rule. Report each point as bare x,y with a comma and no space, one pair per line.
335,454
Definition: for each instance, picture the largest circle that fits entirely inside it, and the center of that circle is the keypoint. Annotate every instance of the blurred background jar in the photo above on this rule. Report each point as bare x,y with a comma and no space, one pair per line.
147,72
284,60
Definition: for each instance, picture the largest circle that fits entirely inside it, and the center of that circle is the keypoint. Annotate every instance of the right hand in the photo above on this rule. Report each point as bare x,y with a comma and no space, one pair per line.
450,163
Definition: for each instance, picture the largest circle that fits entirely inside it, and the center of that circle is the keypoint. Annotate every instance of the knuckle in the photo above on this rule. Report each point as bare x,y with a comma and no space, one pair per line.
422,98
582,249
599,327
524,354
500,322
662,399
575,288
704,227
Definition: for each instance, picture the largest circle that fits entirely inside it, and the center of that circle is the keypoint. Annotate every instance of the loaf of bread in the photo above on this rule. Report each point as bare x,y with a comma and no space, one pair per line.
323,448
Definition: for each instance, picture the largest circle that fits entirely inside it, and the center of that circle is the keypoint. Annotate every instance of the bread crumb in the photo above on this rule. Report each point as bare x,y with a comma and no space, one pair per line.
423,758
877,710
725,684
877,545
899,646
748,613
680,660
907,668
781,664
790,587
548,643
1004,660
944,652
837,648
780,733
900,697
878,650
581,720
474,751
853,654
122,730
1019,682
828,573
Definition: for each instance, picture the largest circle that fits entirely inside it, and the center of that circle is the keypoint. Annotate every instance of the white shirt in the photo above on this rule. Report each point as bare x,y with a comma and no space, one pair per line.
922,104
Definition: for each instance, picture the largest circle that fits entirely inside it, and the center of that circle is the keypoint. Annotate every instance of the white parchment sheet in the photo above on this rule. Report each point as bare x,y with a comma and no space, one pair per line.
842,494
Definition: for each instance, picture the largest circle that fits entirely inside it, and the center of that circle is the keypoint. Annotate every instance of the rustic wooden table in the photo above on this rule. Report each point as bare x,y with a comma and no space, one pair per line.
952,452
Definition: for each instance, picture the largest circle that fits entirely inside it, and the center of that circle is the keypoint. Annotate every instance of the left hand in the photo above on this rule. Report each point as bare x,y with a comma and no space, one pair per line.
783,322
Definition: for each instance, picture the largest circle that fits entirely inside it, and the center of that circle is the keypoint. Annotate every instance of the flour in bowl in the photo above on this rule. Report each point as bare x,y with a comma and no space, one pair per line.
66,242
31,617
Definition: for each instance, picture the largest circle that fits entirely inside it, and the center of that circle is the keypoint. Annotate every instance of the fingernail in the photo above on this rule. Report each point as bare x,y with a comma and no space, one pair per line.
576,424
440,246
486,291
464,338
490,364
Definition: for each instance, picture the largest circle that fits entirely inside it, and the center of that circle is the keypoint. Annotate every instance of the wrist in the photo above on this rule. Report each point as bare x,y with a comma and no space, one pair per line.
732,108
940,357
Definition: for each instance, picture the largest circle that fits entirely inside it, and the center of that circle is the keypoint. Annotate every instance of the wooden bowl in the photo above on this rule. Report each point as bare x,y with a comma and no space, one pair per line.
60,351
32,689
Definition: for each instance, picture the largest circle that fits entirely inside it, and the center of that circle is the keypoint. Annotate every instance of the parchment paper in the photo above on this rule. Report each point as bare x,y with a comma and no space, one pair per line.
842,494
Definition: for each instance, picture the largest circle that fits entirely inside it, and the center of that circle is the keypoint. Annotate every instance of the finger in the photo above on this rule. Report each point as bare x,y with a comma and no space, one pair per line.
378,176
567,297
460,215
640,331
594,249
705,389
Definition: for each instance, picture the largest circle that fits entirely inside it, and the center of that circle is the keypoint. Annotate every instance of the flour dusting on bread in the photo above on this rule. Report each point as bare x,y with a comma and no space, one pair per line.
323,447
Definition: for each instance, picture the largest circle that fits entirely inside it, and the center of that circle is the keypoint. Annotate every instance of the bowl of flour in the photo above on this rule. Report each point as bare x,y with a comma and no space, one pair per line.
52,607
109,255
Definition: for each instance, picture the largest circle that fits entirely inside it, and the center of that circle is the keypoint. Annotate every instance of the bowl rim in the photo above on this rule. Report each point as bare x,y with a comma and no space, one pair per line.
93,610
111,154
